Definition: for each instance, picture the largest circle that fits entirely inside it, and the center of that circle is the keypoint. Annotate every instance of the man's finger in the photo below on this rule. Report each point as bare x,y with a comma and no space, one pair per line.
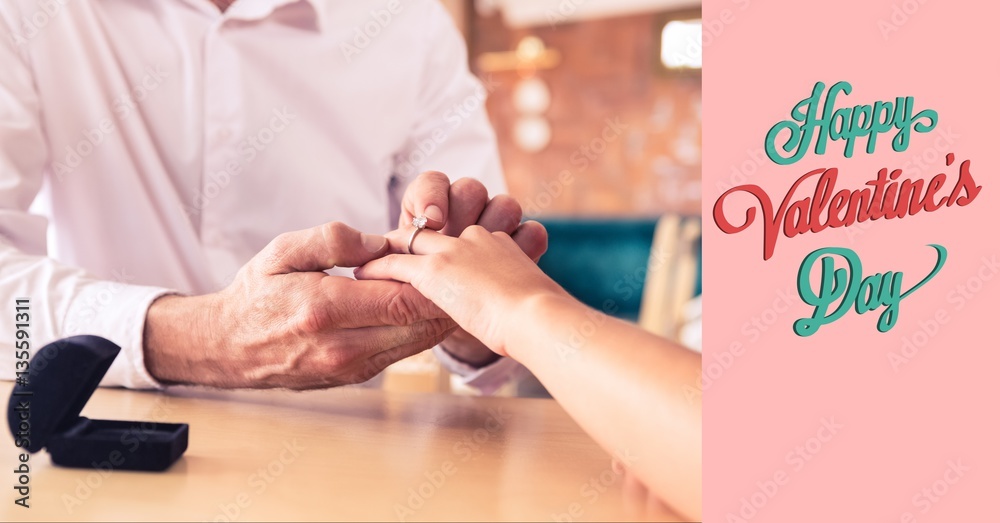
468,198
532,238
420,337
397,267
345,362
347,348
320,248
426,196
374,303
502,214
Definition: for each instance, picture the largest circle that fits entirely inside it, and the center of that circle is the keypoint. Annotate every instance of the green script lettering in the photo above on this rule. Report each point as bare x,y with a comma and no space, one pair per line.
845,288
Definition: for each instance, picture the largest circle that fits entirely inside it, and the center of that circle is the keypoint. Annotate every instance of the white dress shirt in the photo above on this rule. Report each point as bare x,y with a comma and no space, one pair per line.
155,146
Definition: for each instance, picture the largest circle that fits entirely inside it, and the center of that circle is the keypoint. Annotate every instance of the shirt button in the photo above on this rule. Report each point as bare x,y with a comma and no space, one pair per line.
224,134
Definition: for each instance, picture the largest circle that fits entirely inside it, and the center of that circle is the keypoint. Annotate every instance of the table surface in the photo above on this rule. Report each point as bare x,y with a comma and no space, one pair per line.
342,454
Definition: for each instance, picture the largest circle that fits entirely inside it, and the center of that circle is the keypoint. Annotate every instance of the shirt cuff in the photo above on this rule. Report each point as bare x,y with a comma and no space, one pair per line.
117,312
487,380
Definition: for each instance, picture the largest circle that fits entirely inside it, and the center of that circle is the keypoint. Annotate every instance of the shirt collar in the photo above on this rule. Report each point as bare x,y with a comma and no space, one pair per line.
252,10
320,10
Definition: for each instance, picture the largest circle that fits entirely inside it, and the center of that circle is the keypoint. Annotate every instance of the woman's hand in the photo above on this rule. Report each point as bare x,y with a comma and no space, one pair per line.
451,208
633,401
482,280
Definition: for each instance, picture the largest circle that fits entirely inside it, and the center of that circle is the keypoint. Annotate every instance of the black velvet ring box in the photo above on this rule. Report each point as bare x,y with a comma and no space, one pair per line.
45,411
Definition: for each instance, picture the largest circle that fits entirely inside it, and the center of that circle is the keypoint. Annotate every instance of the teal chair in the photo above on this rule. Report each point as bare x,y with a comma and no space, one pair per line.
603,262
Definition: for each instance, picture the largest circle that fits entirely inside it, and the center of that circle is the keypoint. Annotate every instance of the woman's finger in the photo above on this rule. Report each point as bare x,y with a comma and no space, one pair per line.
399,267
425,242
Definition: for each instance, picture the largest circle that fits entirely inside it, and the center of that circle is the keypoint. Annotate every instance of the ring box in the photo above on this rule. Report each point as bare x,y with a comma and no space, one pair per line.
45,412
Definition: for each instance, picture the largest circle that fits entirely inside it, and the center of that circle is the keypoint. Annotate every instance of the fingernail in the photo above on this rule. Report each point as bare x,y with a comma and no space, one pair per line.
434,212
373,242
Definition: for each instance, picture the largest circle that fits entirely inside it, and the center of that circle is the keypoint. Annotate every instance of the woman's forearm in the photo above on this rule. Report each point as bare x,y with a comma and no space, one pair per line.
631,390
624,386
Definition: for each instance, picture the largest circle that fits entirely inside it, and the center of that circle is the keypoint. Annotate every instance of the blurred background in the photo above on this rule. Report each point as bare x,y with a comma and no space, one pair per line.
597,109
561,70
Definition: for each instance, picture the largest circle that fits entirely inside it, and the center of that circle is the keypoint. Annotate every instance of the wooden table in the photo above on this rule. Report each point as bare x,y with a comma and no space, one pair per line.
343,454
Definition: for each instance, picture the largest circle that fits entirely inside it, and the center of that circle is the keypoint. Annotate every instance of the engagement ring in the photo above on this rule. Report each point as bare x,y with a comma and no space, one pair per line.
420,222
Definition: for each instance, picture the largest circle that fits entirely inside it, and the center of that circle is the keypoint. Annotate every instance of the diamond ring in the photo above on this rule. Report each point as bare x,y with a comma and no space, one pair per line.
420,223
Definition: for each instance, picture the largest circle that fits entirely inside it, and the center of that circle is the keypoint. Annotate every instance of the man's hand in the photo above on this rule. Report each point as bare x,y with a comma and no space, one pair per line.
452,208
283,322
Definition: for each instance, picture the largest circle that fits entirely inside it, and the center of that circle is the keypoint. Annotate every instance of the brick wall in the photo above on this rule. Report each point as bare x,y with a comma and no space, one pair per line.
605,87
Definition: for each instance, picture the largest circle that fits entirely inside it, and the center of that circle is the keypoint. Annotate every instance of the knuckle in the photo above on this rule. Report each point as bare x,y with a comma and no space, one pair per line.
247,273
335,233
474,232
278,249
283,242
501,236
367,371
401,308
437,177
508,209
334,361
340,352
425,330
310,321
378,363
439,328
471,190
